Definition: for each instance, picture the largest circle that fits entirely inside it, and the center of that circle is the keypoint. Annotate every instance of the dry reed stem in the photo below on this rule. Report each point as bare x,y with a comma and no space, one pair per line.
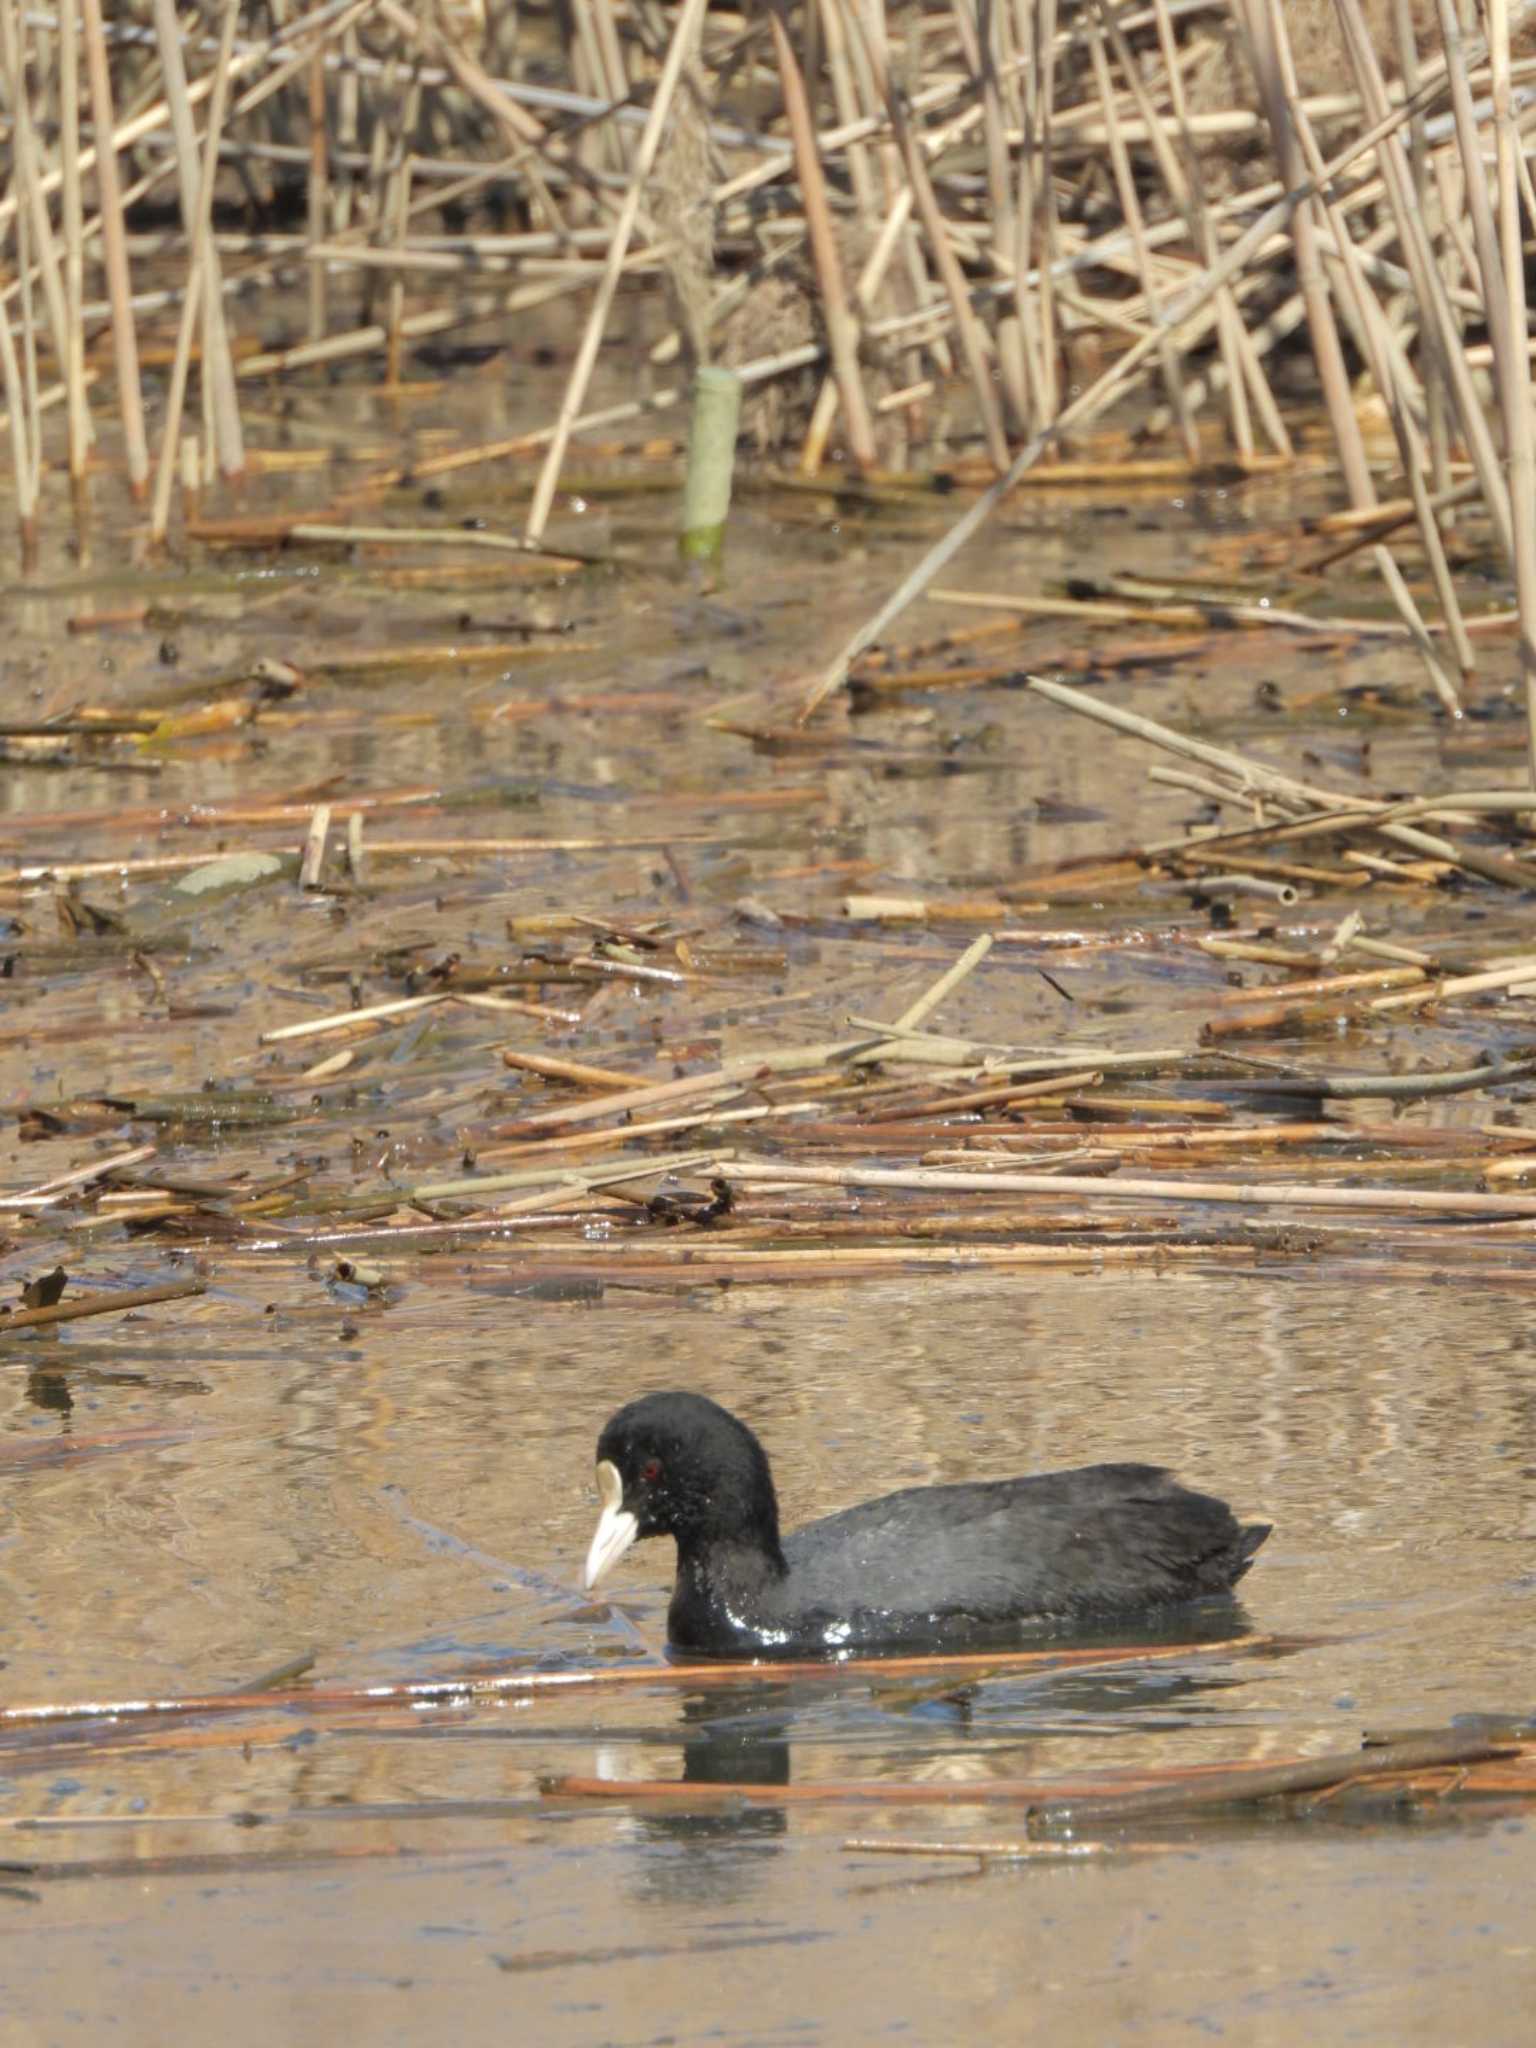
1516,979
1186,182
195,301
49,1191
591,1140
312,859
1509,312
1328,985
1008,1852
1440,325
939,249
1391,380
13,63
22,461
946,984
578,1072
684,30
98,1305
342,1020
1113,1799
1131,1188
842,327
483,1684
1130,208
730,1079
1250,776
216,364
81,432
124,337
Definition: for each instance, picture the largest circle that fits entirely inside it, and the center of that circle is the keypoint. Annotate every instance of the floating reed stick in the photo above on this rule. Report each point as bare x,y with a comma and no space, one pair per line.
98,1305
67,1183
979,1665
1100,1802
1126,1187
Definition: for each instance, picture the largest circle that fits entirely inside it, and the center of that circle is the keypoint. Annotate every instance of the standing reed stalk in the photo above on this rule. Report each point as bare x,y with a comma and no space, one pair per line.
1509,313
842,328
80,428
22,465
125,344
683,30
193,301
226,439
972,339
1356,301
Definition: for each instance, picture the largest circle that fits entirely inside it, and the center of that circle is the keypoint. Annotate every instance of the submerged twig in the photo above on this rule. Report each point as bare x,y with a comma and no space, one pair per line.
97,1305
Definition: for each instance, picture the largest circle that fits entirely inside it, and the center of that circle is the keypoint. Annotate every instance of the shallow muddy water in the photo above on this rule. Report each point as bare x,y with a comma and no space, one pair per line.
398,1479
355,1492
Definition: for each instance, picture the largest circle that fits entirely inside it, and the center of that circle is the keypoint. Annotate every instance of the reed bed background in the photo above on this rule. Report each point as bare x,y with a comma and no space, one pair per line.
988,230
998,224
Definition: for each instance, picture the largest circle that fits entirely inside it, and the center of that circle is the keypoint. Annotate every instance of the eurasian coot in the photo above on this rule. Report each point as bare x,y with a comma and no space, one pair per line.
932,1568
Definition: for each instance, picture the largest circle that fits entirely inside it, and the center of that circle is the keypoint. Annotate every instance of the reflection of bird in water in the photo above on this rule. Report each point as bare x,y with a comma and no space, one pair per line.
717,1751
930,1568
982,1732
736,1753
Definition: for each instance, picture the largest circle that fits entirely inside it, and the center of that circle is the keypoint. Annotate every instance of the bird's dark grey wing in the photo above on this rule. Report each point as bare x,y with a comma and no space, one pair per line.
1096,1539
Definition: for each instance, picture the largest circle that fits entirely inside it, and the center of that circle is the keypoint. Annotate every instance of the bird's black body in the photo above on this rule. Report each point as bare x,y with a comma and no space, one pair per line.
931,1568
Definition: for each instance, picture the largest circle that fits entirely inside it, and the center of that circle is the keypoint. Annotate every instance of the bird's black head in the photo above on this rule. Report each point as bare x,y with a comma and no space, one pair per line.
680,1465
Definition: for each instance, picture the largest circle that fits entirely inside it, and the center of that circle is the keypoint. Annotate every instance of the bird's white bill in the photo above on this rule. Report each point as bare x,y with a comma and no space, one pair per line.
616,1528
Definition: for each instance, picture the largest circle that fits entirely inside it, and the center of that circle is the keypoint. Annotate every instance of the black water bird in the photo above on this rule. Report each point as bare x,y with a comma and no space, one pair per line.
928,1569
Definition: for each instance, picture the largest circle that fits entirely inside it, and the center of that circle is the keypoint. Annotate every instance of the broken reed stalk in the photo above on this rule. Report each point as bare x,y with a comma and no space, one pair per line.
1009,1852
65,1183
1250,775
1157,1794
23,466
98,1305
975,1665
1127,1187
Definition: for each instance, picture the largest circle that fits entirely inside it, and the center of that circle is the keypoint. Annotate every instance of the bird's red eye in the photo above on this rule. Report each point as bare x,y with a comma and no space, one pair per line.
651,1469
